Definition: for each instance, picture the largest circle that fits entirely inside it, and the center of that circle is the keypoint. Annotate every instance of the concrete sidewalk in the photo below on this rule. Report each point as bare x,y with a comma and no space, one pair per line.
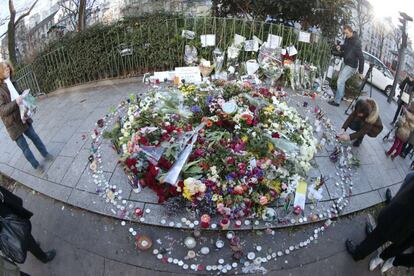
90,244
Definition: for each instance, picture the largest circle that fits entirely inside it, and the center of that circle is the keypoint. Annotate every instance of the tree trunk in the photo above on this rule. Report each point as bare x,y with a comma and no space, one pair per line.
82,15
11,35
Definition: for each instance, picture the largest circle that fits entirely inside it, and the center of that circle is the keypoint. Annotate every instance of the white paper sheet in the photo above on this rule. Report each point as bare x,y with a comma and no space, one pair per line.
208,40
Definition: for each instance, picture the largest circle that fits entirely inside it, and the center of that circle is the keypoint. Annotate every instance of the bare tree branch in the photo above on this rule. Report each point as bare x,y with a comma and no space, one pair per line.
25,14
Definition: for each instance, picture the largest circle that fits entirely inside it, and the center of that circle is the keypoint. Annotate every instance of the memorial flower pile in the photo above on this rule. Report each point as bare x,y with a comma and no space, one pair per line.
235,148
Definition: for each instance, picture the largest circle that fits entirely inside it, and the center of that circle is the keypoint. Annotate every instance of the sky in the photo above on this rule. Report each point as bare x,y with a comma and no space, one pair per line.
382,8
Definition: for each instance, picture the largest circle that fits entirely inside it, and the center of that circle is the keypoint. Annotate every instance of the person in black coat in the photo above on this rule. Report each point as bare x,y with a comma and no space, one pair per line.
351,52
407,85
12,204
395,224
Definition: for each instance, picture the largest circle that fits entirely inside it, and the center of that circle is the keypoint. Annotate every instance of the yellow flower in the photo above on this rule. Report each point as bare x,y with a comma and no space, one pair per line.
245,138
269,108
270,146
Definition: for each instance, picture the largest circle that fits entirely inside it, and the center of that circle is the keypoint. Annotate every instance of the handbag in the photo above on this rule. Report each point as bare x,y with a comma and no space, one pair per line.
14,237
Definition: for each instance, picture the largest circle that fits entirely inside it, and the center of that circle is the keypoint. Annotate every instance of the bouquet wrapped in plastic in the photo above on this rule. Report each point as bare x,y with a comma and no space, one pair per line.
28,106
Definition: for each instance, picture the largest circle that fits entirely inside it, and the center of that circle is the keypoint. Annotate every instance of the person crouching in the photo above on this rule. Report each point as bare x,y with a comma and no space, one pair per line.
364,120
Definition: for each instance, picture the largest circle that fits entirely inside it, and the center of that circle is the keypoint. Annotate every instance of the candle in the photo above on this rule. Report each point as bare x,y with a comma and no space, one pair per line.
238,223
143,242
138,212
224,224
190,242
205,221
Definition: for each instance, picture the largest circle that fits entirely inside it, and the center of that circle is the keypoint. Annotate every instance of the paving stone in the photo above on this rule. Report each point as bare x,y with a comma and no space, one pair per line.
362,201
48,188
90,201
115,268
6,169
360,181
76,169
74,145
86,182
60,166
120,180
377,178
146,195
394,189
109,157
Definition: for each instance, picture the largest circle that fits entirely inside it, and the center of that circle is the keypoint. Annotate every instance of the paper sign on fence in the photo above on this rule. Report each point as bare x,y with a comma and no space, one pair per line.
258,40
190,74
274,41
238,39
300,195
208,40
304,37
251,46
291,51
188,34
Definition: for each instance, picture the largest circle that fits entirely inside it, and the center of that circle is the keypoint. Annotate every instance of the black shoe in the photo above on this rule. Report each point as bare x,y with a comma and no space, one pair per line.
50,255
351,248
333,103
368,228
388,196
403,155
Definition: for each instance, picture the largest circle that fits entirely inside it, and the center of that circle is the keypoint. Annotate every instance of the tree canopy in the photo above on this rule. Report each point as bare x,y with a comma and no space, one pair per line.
328,15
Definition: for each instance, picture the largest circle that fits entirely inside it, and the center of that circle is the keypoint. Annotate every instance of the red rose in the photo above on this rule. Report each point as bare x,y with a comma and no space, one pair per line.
276,135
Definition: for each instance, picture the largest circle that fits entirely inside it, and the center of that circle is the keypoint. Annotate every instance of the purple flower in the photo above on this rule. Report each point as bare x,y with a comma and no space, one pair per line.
229,177
209,99
195,109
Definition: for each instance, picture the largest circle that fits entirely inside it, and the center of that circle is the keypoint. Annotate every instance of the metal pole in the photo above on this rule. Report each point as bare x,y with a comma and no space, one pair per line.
401,53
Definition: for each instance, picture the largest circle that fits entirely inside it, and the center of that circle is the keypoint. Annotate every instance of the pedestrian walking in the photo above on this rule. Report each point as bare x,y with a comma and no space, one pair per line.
12,210
10,115
351,52
364,120
395,224
408,146
406,89
404,127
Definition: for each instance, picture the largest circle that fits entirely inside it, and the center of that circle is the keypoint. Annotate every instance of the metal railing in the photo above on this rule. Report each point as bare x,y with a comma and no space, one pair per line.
131,50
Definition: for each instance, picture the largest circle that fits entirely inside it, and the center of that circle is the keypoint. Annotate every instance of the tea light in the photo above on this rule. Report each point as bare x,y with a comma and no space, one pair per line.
238,223
219,244
197,233
205,250
191,254
205,220
230,235
224,224
190,242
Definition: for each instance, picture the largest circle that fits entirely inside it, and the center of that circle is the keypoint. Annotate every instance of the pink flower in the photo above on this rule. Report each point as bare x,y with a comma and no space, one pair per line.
263,200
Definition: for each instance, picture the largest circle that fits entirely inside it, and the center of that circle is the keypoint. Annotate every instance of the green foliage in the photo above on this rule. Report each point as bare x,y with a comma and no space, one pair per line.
136,45
327,14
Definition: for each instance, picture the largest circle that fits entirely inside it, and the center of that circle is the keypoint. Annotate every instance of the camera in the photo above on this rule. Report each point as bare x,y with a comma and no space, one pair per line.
335,51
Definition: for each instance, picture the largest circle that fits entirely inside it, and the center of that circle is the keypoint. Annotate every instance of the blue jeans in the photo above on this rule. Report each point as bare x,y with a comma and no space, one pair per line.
32,135
344,75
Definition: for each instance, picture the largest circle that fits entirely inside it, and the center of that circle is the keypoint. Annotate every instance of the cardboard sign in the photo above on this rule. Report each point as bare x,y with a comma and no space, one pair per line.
190,74
304,37
274,41
251,46
208,40
300,195
188,34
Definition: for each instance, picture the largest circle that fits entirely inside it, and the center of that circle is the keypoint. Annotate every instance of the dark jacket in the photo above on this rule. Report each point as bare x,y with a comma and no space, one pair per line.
406,85
396,221
13,204
371,126
351,51
10,114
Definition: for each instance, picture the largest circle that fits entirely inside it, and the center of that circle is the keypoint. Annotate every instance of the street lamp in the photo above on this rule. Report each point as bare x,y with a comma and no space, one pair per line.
404,18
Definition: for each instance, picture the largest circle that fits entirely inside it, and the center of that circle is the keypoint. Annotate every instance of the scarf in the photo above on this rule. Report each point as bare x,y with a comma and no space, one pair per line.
13,92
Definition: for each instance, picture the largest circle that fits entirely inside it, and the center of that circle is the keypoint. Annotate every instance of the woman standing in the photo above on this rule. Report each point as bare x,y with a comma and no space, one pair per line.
10,115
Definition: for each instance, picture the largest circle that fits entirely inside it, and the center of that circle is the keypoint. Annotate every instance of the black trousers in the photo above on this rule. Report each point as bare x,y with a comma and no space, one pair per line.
398,112
371,243
35,249
406,260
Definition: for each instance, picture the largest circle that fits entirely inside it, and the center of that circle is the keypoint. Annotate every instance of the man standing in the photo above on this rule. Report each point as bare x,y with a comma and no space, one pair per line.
353,59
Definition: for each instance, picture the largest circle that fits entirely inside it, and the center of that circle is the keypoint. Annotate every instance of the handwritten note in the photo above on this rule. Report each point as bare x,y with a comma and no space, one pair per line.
274,41
190,74
304,37
208,40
